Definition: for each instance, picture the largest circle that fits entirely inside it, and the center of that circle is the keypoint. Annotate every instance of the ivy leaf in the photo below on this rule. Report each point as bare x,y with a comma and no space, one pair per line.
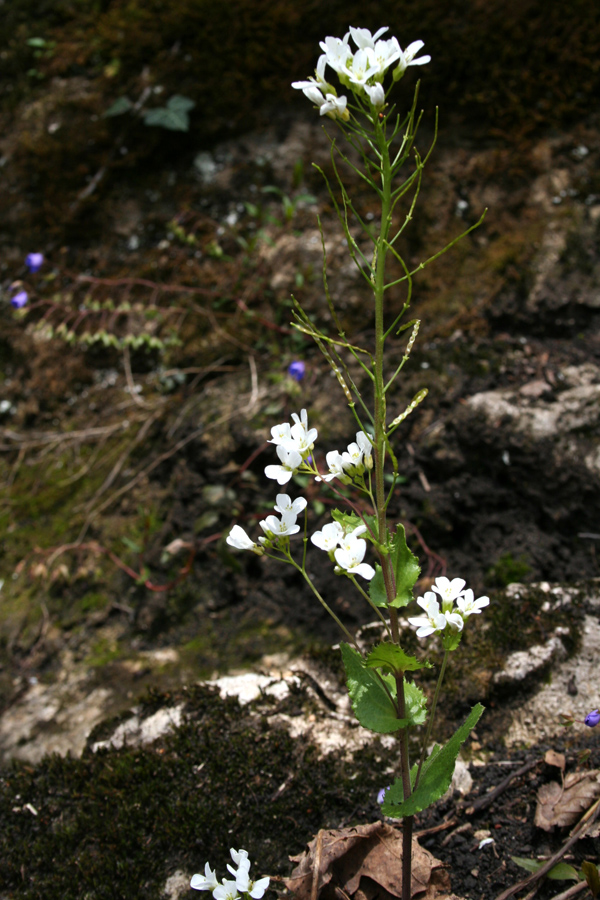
393,659
371,703
173,116
406,568
436,774
120,106
377,588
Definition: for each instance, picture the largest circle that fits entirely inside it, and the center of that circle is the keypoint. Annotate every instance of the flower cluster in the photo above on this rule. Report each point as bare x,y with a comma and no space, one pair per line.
346,547
274,528
447,618
294,444
361,71
352,462
231,889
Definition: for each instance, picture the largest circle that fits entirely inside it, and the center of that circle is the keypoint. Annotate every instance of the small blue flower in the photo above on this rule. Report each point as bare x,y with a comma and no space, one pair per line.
34,261
592,718
297,370
20,299
381,794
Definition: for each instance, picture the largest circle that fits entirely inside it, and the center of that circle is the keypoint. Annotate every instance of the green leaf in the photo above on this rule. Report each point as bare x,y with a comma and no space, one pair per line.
120,106
406,569
436,774
590,872
348,521
37,42
371,703
377,588
173,116
393,659
416,704
562,871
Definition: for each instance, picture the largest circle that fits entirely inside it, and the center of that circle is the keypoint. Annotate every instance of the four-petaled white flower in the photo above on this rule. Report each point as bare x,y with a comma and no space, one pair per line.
290,461
349,556
361,67
468,605
284,504
336,52
228,890
376,95
329,538
448,590
207,883
276,528
362,36
364,442
245,885
335,462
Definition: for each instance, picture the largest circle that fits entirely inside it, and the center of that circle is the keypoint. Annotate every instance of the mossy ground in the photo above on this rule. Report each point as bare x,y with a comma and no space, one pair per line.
117,823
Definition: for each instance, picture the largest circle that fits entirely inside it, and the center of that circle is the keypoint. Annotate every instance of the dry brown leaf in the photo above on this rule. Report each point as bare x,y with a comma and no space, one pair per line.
563,807
364,862
552,758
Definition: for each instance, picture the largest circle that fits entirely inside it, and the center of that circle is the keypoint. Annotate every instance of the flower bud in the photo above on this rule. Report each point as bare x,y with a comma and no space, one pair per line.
592,718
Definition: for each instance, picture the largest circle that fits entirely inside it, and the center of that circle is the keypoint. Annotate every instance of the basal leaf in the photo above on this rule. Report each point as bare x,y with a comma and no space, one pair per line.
392,658
436,775
180,104
370,701
562,871
406,568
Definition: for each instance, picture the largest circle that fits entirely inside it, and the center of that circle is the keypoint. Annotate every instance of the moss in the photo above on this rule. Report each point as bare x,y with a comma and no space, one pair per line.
117,823
508,569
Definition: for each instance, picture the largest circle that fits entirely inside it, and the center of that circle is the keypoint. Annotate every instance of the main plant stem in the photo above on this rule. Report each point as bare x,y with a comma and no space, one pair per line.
379,455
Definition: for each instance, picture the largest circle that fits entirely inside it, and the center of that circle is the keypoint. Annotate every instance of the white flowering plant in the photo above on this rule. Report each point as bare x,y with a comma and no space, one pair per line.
366,68
235,888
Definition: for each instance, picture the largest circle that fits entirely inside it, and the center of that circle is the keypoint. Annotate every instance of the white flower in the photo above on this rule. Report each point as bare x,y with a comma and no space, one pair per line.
319,81
434,621
362,67
376,95
279,527
238,538
335,463
256,889
335,107
448,590
352,457
468,605
364,442
228,890
240,858
336,52
285,504
208,883
386,53
329,537
350,557
362,36
303,437
281,434
290,461
407,59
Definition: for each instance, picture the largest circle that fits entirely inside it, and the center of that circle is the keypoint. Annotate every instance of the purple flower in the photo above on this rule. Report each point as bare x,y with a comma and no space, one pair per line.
592,718
34,261
20,299
381,794
296,370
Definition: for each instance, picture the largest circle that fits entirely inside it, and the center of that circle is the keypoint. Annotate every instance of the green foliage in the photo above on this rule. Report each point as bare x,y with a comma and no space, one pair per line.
562,871
508,569
173,116
373,705
377,591
373,696
435,776
406,568
589,871
120,106
393,659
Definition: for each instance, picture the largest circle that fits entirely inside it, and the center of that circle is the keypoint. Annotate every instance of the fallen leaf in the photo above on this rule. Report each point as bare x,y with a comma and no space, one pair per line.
560,807
364,862
552,758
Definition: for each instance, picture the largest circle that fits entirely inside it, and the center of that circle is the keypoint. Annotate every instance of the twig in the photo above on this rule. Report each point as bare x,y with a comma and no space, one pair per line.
571,891
487,799
585,822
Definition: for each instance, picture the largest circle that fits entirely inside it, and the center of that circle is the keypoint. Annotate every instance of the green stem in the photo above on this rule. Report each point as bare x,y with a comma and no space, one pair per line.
431,716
